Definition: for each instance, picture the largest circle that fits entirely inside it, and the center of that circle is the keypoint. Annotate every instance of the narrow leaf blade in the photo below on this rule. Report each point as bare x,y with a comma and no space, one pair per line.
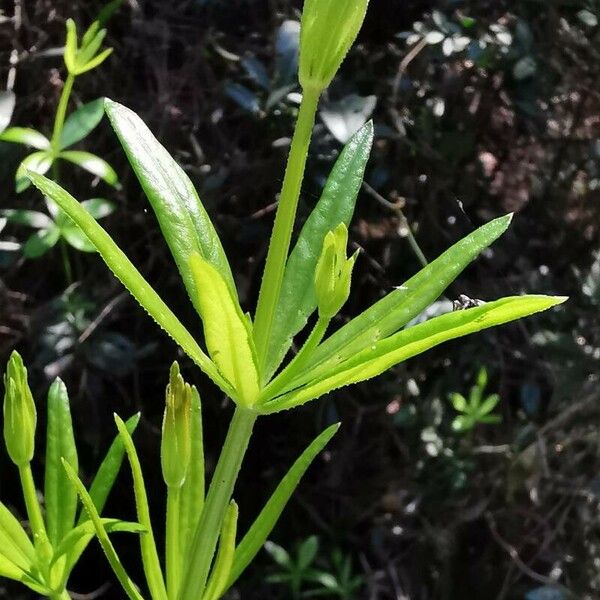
92,164
193,489
60,497
258,533
183,220
26,136
14,541
297,300
130,277
80,123
226,329
408,343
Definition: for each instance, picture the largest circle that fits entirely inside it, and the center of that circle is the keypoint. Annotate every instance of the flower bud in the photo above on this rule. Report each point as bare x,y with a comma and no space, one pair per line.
333,273
328,29
176,442
20,416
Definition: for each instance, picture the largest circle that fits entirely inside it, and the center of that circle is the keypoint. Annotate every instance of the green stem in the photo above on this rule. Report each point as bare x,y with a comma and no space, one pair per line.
61,113
66,261
204,543
296,364
34,512
173,550
284,223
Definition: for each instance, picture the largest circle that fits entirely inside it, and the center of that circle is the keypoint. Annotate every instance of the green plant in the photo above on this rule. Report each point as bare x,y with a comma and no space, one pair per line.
477,409
297,571
44,560
79,57
244,354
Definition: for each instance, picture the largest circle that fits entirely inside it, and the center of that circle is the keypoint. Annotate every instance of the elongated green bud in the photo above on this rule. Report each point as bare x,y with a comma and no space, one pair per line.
176,441
333,273
78,60
328,29
20,416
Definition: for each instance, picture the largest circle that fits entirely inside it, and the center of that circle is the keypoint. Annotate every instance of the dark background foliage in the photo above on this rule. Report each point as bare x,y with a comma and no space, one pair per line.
499,112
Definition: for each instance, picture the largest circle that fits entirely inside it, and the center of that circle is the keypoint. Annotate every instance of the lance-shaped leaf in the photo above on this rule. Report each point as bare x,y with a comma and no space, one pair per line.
396,309
217,583
150,560
130,277
60,497
92,164
412,341
192,491
127,584
82,122
38,162
183,220
27,136
297,300
14,542
226,330
258,533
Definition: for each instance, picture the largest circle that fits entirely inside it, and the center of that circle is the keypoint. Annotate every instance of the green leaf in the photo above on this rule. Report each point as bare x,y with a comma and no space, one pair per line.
307,552
297,300
278,554
396,309
101,486
488,405
9,570
90,44
76,238
30,218
99,207
95,62
93,164
70,54
60,497
40,242
150,560
184,222
266,520
26,136
38,162
193,489
459,402
14,541
80,123
126,583
226,330
131,278
87,530
217,583
388,352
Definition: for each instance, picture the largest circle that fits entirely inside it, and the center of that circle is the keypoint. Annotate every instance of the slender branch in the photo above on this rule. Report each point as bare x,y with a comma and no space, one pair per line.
284,223
173,549
61,113
34,512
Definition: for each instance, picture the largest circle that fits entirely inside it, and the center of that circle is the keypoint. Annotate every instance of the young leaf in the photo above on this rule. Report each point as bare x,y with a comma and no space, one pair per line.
407,343
41,241
183,220
95,62
70,54
93,164
488,405
217,583
38,162
266,520
26,136
82,122
459,402
131,278
192,491
396,309
150,560
297,300
226,330
99,207
60,497
30,218
14,541
111,554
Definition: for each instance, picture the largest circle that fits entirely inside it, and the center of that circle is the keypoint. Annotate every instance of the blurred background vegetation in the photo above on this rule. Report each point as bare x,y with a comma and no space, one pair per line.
434,488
